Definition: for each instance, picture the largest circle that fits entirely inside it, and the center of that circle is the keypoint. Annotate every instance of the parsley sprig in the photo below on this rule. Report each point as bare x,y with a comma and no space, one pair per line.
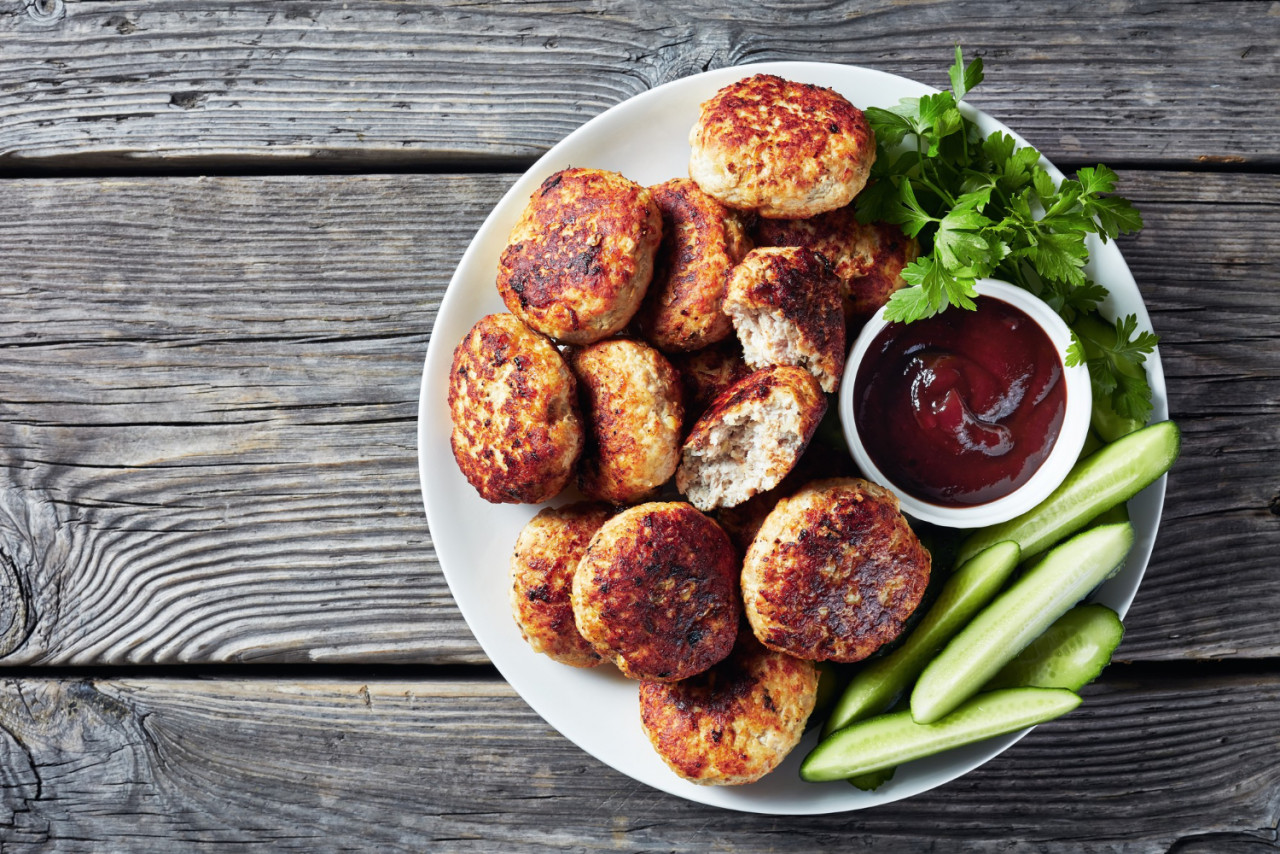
984,206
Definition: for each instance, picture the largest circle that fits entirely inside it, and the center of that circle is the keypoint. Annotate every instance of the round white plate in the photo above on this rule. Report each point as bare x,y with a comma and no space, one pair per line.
645,138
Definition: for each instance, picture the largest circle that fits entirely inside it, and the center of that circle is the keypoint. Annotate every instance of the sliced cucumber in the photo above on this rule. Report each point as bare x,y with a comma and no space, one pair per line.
1109,477
875,687
1070,654
1020,615
889,740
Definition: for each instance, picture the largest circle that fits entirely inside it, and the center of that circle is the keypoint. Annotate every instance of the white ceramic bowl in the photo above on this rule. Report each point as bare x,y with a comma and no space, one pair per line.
1065,451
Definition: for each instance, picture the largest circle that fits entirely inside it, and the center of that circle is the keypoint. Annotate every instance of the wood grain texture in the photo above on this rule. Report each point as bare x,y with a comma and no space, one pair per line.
91,84
149,764
208,402
208,418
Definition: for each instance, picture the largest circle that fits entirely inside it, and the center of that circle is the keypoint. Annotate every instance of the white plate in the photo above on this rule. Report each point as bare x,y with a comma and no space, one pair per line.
645,138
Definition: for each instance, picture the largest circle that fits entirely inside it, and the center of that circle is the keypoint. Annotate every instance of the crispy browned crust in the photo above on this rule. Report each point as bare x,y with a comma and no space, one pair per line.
631,401
798,285
702,241
834,572
781,148
542,566
868,257
656,592
734,723
578,262
705,374
516,430
761,385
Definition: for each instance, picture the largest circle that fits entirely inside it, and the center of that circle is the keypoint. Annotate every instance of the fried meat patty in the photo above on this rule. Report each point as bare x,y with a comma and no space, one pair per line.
631,402
579,260
785,306
657,592
542,567
867,257
750,438
780,148
834,572
702,241
516,432
737,721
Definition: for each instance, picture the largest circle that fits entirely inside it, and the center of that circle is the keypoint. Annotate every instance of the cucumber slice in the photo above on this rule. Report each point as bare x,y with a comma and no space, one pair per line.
1020,615
1070,654
874,688
1109,477
889,740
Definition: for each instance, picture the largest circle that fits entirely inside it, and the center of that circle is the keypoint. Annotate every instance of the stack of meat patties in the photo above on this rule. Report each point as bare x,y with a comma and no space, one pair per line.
690,333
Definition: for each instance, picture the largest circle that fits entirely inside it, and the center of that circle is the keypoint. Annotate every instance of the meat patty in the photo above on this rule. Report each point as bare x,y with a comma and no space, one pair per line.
834,572
516,433
785,307
867,257
580,259
737,721
542,567
750,438
780,148
631,400
657,593
702,241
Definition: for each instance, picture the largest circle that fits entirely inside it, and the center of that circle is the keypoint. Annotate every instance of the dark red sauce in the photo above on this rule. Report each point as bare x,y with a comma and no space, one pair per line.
961,408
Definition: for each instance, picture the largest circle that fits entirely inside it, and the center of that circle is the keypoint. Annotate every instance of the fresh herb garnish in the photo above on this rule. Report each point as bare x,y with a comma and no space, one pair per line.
985,207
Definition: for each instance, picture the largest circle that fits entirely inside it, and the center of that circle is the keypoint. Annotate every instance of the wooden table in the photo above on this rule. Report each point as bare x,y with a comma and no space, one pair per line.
226,231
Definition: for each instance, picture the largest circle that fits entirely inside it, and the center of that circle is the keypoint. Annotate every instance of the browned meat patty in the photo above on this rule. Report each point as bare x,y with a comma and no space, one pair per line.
580,259
702,241
780,148
737,721
516,430
785,307
834,572
542,567
657,593
750,438
632,405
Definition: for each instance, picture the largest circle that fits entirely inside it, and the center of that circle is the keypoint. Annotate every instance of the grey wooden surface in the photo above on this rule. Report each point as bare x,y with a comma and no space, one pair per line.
226,232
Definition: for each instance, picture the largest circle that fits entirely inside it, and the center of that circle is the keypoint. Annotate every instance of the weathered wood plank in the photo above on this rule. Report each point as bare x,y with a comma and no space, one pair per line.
209,415
93,84
208,392
146,764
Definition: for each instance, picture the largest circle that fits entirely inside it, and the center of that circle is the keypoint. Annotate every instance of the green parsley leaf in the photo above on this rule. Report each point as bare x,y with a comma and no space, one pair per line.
889,127
982,206
908,213
959,241
964,77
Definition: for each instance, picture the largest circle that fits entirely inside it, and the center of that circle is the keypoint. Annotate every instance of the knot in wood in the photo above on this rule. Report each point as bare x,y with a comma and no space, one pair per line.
46,11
